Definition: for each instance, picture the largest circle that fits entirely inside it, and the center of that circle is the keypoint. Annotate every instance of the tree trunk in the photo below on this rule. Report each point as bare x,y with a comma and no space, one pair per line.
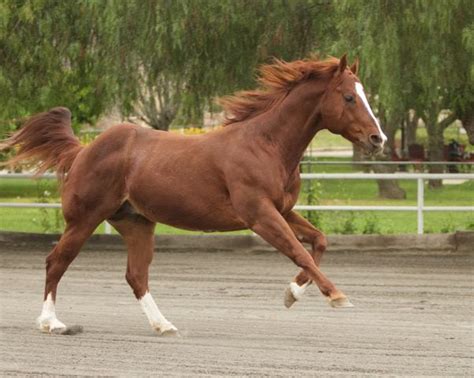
411,123
163,119
157,104
435,153
436,144
358,155
390,146
389,188
468,124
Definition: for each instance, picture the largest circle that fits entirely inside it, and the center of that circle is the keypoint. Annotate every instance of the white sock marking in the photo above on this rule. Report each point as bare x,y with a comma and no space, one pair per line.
48,321
297,290
360,91
154,315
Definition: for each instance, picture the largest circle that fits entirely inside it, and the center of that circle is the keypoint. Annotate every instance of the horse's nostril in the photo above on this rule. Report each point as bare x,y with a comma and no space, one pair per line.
376,139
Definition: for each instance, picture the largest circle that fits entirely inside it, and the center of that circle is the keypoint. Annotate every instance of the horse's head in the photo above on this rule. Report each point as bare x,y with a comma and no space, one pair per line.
346,111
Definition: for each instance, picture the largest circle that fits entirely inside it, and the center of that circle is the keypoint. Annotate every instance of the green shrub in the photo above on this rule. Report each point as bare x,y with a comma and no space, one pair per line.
348,226
371,225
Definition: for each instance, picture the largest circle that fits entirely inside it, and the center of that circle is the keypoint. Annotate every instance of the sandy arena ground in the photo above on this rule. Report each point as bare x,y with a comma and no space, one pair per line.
413,316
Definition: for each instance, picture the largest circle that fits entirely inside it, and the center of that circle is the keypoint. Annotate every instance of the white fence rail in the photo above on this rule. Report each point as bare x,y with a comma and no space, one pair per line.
387,162
420,177
419,208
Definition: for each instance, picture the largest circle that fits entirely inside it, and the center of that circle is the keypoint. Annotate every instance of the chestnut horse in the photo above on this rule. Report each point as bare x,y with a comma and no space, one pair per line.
242,176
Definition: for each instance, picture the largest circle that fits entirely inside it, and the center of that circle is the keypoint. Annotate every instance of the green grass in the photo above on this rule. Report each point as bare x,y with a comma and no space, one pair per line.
393,222
22,188
358,192
365,192
50,221
335,192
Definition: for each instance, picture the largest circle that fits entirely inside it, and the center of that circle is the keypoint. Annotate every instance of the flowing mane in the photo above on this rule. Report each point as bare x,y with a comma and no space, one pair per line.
275,81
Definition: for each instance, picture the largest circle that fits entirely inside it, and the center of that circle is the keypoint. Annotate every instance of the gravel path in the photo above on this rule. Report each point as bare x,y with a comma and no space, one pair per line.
413,316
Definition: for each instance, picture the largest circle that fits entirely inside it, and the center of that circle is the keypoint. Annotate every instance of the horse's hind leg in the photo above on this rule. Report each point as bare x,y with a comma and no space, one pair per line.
306,233
57,262
138,234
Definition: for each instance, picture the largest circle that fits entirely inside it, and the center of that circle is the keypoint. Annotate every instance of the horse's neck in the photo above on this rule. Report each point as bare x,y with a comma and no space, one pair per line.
291,125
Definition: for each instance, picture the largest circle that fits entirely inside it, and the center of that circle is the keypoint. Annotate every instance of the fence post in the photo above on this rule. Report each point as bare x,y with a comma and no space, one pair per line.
420,203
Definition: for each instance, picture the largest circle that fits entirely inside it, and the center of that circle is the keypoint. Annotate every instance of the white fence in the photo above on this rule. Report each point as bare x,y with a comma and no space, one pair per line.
420,177
419,208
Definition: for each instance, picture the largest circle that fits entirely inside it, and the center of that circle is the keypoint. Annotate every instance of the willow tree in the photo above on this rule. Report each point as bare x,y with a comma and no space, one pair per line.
372,30
155,58
443,69
50,56
414,58
467,110
182,54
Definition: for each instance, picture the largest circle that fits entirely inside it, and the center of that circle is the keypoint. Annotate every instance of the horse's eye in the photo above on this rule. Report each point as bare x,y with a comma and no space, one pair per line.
349,98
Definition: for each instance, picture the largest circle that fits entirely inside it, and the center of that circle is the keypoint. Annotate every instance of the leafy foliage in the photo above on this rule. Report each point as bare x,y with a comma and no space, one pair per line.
416,55
165,60
50,56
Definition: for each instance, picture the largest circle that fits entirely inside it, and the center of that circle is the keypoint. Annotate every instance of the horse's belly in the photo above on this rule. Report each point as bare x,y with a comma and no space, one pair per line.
190,214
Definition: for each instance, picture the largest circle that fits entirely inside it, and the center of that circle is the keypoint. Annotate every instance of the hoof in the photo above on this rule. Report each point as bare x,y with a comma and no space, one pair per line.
340,302
167,330
50,325
289,298
294,293
56,330
170,333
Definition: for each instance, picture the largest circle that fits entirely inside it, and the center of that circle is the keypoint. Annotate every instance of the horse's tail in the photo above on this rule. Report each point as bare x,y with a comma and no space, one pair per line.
47,141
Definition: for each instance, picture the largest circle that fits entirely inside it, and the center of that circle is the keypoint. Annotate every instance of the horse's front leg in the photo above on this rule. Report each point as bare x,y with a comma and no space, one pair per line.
306,233
267,222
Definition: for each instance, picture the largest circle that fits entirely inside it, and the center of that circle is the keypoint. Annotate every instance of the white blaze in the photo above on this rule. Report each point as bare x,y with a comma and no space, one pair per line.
360,91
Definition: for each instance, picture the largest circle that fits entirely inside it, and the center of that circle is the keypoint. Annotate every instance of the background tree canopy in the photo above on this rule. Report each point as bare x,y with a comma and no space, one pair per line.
166,60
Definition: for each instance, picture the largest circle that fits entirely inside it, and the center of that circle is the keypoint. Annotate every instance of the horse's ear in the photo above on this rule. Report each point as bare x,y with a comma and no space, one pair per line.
355,67
342,64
